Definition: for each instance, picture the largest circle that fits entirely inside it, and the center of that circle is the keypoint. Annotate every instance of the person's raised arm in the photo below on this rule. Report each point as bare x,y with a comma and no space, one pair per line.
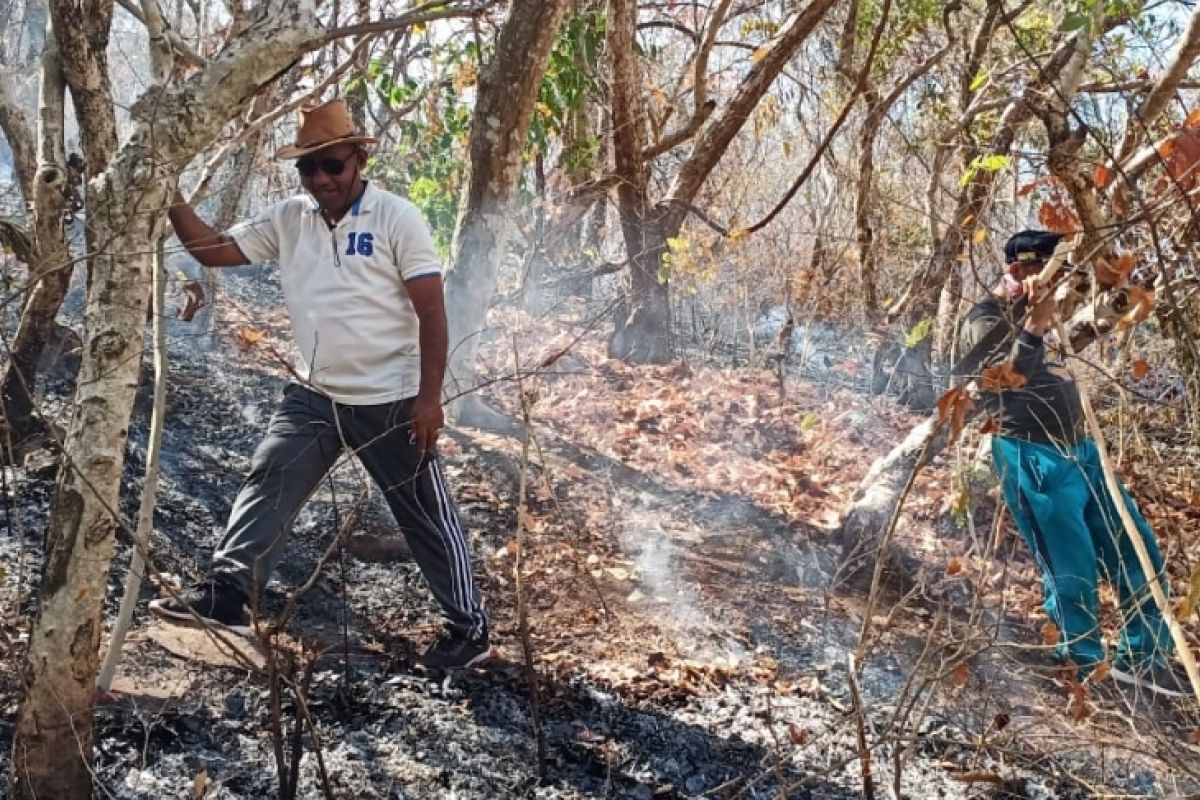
209,247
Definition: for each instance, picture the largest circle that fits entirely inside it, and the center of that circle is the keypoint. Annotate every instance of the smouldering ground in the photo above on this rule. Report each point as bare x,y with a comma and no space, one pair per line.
678,566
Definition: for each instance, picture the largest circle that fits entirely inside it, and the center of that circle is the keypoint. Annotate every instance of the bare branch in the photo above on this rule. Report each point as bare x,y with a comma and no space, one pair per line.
673,140
182,49
1164,89
427,12
160,48
716,136
700,68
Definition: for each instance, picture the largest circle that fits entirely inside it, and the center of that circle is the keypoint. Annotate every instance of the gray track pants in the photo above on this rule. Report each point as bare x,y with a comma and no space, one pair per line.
304,440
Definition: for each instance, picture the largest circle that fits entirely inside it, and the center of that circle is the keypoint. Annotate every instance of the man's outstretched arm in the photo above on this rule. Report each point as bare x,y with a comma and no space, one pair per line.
209,247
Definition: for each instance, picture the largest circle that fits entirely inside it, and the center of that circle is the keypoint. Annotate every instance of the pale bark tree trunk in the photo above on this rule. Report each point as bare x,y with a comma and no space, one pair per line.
19,137
499,128
54,737
50,267
643,333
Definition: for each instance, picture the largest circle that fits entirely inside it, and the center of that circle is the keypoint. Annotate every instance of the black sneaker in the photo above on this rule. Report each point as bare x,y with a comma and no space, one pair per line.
454,651
213,601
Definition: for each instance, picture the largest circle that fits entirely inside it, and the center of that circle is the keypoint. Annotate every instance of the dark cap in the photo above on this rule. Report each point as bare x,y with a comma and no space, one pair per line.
1031,247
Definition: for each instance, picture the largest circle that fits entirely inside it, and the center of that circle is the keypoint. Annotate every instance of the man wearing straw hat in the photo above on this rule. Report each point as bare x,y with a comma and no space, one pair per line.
363,287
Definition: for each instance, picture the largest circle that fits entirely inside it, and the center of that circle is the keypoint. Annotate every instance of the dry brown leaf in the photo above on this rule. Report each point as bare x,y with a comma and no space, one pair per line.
247,337
1116,273
1100,672
1000,377
799,737
1141,302
959,677
1081,710
1140,369
955,566
1125,264
1193,119
1194,737
990,425
953,406
1050,634
194,300
1055,215
1101,176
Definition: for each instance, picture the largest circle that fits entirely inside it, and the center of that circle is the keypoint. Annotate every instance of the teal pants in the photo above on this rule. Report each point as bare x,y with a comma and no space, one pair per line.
1067,517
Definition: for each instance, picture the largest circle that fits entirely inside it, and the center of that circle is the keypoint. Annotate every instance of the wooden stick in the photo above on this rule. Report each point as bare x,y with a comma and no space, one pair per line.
1131,529
860,729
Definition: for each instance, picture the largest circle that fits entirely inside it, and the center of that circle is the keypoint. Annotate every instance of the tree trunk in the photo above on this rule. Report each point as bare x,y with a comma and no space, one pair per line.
54,730
53,744
874,502
20,141
50,268
643,333
644,323
499,128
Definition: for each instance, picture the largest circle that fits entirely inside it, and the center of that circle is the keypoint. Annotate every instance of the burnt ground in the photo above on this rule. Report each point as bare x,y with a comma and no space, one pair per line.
689,631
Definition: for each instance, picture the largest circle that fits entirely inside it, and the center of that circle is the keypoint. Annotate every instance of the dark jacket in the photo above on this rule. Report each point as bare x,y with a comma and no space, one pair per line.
1047,407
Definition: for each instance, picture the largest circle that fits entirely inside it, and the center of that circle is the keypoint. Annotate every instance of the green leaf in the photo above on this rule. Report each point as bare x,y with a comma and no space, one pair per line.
919,333
994,162
1075,22
978,80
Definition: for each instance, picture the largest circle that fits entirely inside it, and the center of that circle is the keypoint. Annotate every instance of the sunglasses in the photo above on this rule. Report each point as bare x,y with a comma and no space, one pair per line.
308,165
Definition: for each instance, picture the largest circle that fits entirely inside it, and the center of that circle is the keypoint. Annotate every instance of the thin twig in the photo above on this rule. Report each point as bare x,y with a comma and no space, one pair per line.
860,730
522,602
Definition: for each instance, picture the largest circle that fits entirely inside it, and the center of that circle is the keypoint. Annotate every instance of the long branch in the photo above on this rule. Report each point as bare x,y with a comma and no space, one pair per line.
421,14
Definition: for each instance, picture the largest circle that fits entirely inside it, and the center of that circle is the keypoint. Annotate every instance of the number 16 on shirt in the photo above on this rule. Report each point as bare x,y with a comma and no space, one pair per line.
362,244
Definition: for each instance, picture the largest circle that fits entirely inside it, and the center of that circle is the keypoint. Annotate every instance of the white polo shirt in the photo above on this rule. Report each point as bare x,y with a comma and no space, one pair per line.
352,318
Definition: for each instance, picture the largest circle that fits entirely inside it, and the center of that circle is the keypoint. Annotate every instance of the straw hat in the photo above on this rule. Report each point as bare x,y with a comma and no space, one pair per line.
322,126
